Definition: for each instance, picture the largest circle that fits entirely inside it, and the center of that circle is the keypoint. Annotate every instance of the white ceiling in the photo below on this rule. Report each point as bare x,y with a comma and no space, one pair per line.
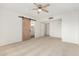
26,8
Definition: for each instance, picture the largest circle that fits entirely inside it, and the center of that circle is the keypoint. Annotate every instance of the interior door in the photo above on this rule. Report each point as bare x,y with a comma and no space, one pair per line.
26,26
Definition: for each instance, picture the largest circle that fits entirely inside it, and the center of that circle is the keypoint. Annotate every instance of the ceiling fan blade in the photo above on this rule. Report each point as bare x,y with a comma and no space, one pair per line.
44,10
46,5
36,4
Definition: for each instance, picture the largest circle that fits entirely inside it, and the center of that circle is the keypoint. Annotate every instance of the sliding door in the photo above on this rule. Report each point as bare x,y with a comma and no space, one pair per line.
26,26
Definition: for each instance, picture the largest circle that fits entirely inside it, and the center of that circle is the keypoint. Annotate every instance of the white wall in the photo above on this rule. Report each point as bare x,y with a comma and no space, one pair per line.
78,29
70,27
10,27
55,28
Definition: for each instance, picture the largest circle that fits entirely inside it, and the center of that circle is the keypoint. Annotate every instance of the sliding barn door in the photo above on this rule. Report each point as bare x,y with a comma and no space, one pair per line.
26,26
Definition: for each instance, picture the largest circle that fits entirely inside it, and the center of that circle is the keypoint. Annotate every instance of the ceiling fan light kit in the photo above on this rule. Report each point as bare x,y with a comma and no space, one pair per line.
39,10
41,7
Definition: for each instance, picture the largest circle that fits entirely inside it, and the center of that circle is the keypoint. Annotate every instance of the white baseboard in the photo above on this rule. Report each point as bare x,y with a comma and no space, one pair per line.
71,42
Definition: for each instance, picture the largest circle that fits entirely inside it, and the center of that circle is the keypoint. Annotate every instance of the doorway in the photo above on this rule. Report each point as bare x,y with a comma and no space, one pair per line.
32,29
46,29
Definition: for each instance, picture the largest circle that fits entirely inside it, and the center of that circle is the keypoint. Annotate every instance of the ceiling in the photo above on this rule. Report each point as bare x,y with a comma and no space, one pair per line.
26,8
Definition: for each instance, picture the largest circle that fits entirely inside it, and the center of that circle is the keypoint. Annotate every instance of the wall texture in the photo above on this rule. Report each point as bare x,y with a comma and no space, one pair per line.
10,27
70,27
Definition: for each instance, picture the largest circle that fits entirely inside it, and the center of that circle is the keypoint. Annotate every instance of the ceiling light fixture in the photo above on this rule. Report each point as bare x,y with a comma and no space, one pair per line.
39,10
41,7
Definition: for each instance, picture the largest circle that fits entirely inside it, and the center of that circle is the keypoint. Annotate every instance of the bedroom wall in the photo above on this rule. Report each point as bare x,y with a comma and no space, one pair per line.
70,27
78,31
10,27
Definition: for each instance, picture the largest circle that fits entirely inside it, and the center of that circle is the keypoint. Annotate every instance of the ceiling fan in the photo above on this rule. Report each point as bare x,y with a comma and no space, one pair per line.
41,7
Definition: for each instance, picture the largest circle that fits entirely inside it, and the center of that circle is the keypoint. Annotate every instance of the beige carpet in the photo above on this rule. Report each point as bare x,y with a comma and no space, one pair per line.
45,46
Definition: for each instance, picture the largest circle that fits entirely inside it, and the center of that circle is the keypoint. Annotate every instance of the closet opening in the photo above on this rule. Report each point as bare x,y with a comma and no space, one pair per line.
32,29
